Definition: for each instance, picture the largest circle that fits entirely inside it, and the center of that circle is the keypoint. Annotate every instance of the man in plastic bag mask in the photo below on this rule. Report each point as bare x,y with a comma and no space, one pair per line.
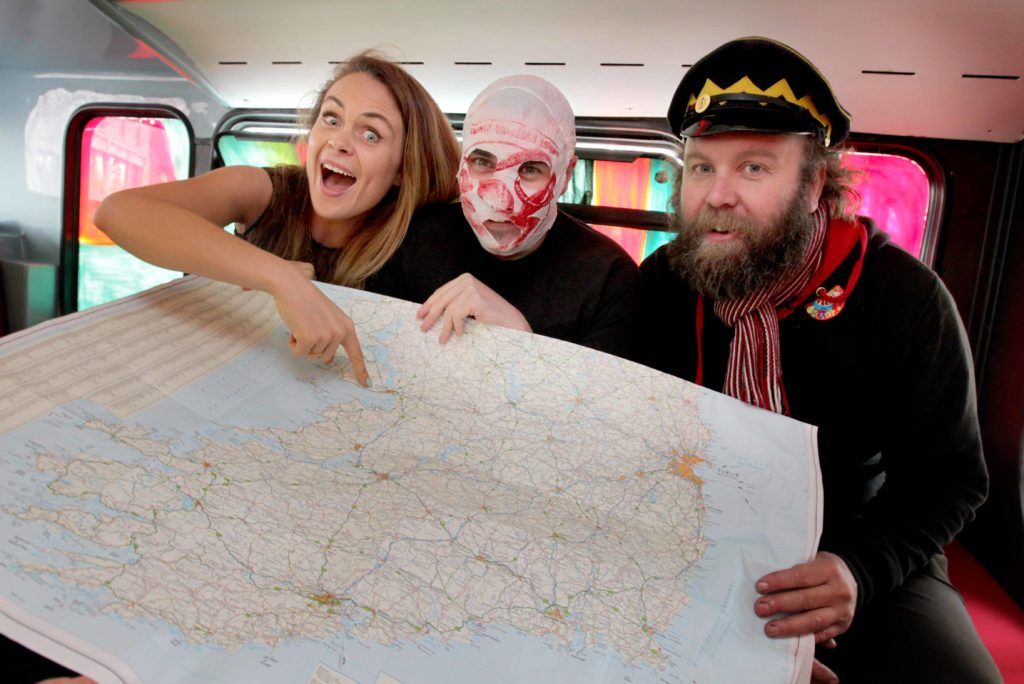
518,148
519,263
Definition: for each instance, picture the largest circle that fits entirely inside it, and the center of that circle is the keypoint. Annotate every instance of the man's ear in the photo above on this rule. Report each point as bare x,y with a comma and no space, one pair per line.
568,175
817,186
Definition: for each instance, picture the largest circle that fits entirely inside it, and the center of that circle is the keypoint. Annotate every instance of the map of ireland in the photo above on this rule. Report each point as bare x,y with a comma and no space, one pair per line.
186,501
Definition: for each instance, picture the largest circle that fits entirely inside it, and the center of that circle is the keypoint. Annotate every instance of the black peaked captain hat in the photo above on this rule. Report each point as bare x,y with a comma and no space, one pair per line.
757,84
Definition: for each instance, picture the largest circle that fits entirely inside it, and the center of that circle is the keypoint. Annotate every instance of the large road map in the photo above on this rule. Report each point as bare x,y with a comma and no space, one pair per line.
185,501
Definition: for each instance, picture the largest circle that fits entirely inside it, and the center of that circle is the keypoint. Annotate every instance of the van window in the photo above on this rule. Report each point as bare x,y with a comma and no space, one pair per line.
241,150
896,192
120,152
643,183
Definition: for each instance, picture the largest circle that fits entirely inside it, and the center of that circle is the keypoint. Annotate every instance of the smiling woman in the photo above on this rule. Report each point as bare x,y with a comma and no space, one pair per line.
378,148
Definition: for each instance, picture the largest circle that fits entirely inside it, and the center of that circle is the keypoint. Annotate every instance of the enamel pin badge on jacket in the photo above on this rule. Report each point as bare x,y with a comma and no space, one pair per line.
826,305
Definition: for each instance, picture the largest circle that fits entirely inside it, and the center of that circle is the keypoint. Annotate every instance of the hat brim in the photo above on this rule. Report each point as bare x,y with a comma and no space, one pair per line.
754,115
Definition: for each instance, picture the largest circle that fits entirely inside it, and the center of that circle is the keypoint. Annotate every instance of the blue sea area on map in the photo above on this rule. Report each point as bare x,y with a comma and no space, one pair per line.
499,654
265,376
720,580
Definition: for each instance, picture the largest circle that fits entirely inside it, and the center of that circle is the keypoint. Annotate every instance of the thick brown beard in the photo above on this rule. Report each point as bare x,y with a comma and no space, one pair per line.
769,250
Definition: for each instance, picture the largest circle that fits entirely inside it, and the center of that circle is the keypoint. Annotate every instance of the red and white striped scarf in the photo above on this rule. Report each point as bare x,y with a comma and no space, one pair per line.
754,373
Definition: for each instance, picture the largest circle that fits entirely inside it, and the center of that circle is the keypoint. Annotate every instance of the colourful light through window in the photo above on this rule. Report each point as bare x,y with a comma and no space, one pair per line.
643,183
237,151
894,191
120,153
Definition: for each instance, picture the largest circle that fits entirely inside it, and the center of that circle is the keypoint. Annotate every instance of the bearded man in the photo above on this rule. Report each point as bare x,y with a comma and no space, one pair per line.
775,294
506,254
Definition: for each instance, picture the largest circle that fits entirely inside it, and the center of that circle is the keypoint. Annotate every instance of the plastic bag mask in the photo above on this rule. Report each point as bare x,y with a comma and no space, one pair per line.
519,139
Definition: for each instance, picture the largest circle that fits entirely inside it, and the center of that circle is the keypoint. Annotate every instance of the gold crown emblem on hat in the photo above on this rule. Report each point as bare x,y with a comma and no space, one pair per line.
780,89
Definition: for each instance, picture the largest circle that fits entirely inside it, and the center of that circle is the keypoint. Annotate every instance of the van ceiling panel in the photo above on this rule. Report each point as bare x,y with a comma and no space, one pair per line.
943,68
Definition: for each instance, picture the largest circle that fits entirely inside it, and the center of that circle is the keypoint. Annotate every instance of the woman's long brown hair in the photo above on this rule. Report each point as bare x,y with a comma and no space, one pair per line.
430,161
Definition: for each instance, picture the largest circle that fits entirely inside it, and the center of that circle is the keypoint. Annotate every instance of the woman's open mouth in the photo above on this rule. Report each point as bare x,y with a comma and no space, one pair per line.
334,180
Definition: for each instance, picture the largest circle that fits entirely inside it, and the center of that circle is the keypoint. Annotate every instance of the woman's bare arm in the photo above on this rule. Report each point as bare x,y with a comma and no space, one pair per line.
179,226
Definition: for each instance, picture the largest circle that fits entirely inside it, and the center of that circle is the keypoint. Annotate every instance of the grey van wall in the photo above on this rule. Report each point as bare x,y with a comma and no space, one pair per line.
56,55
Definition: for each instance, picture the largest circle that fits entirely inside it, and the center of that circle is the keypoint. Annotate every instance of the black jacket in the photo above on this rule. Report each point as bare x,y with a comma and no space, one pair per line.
889,383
